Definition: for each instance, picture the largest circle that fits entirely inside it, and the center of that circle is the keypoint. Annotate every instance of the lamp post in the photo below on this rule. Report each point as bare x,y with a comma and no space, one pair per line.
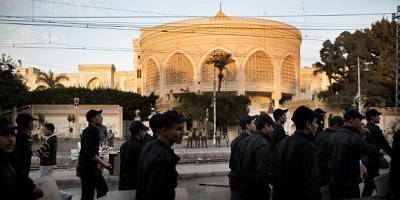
359,83
217,63
76,110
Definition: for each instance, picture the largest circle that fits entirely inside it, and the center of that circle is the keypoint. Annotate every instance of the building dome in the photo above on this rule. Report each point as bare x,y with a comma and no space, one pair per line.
172,58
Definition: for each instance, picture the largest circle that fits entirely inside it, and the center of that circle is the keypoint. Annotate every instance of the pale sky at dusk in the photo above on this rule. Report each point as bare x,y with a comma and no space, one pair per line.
59,35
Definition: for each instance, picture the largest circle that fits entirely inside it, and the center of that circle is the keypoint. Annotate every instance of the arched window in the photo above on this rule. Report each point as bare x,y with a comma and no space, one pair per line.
95,83
288,72
179,70
259,68
152,76
207,70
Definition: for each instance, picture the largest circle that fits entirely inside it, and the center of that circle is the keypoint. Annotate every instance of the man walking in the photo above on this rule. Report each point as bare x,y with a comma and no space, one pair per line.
89,161
375,137
130,152
157,175
321,141
345,150
22,153
279,132
13,185
296,171
48,155
247,125
253,169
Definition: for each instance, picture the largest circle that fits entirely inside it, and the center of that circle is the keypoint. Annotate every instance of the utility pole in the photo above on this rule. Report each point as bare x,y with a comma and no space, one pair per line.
397,67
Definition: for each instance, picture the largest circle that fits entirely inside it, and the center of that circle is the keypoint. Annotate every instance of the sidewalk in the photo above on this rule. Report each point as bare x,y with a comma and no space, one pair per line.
68,178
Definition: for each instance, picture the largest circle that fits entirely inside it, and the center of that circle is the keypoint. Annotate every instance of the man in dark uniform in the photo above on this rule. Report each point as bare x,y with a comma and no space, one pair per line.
321,142
279,132
345,149
22,153
376,137
296,167
130,152
247,125
89,161
157,175
253,168
320,120
13,185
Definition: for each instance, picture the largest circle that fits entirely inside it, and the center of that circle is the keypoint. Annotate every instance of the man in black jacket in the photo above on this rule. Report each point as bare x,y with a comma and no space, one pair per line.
279,132
157,175
345,149
321,142
130,152
375,137
89,161
296,168
12,182
253,167
247,125
22,153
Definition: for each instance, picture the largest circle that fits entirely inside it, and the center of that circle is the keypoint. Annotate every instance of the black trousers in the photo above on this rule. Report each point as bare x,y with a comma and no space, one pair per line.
90,181
369,183
344,192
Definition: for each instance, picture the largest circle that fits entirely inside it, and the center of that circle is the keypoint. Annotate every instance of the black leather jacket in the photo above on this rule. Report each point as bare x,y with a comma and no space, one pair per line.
296,168
321,142
90,142
253,170
130,152
345,149
157,177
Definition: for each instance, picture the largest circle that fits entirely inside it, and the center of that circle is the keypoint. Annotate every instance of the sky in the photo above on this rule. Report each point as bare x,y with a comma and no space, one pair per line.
59,35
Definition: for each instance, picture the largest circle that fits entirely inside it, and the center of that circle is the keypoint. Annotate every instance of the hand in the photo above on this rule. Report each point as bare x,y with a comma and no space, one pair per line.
108,167
38,192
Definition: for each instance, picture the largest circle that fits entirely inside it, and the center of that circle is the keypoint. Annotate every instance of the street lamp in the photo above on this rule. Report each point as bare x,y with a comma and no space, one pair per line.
366,69
217,63
76,114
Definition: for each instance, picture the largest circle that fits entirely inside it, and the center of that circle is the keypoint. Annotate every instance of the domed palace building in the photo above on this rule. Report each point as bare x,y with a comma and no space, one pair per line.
171,59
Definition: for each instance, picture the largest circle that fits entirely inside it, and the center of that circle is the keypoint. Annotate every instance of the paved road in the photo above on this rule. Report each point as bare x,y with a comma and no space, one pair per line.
194,190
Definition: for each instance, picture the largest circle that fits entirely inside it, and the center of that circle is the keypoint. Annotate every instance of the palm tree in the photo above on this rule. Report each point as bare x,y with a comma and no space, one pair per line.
220,61
50,80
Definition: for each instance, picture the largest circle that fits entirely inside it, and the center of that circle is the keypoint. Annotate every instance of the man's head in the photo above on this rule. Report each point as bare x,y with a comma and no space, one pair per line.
247,123
353,118
305,120
336,122
48,129
280,116
138,129
373,116
170,127
153,123
7,136
94,117
25,122
265,124
321,114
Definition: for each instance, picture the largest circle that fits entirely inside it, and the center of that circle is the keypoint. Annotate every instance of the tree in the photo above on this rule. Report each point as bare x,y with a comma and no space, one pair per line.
220,61
13,91
229,107
50,80
376,49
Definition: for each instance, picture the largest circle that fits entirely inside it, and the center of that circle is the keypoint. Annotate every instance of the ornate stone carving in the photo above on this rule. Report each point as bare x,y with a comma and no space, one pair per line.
179,70
288,72
152,76
259,68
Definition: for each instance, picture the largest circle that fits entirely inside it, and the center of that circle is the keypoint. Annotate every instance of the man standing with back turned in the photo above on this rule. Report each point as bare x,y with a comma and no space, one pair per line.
157,175
296,160
89,161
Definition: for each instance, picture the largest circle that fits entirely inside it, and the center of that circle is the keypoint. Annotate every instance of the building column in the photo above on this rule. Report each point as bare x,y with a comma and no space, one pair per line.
240,81
276,96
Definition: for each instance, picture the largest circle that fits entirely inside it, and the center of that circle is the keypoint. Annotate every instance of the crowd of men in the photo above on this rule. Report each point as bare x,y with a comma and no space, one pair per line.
312,163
